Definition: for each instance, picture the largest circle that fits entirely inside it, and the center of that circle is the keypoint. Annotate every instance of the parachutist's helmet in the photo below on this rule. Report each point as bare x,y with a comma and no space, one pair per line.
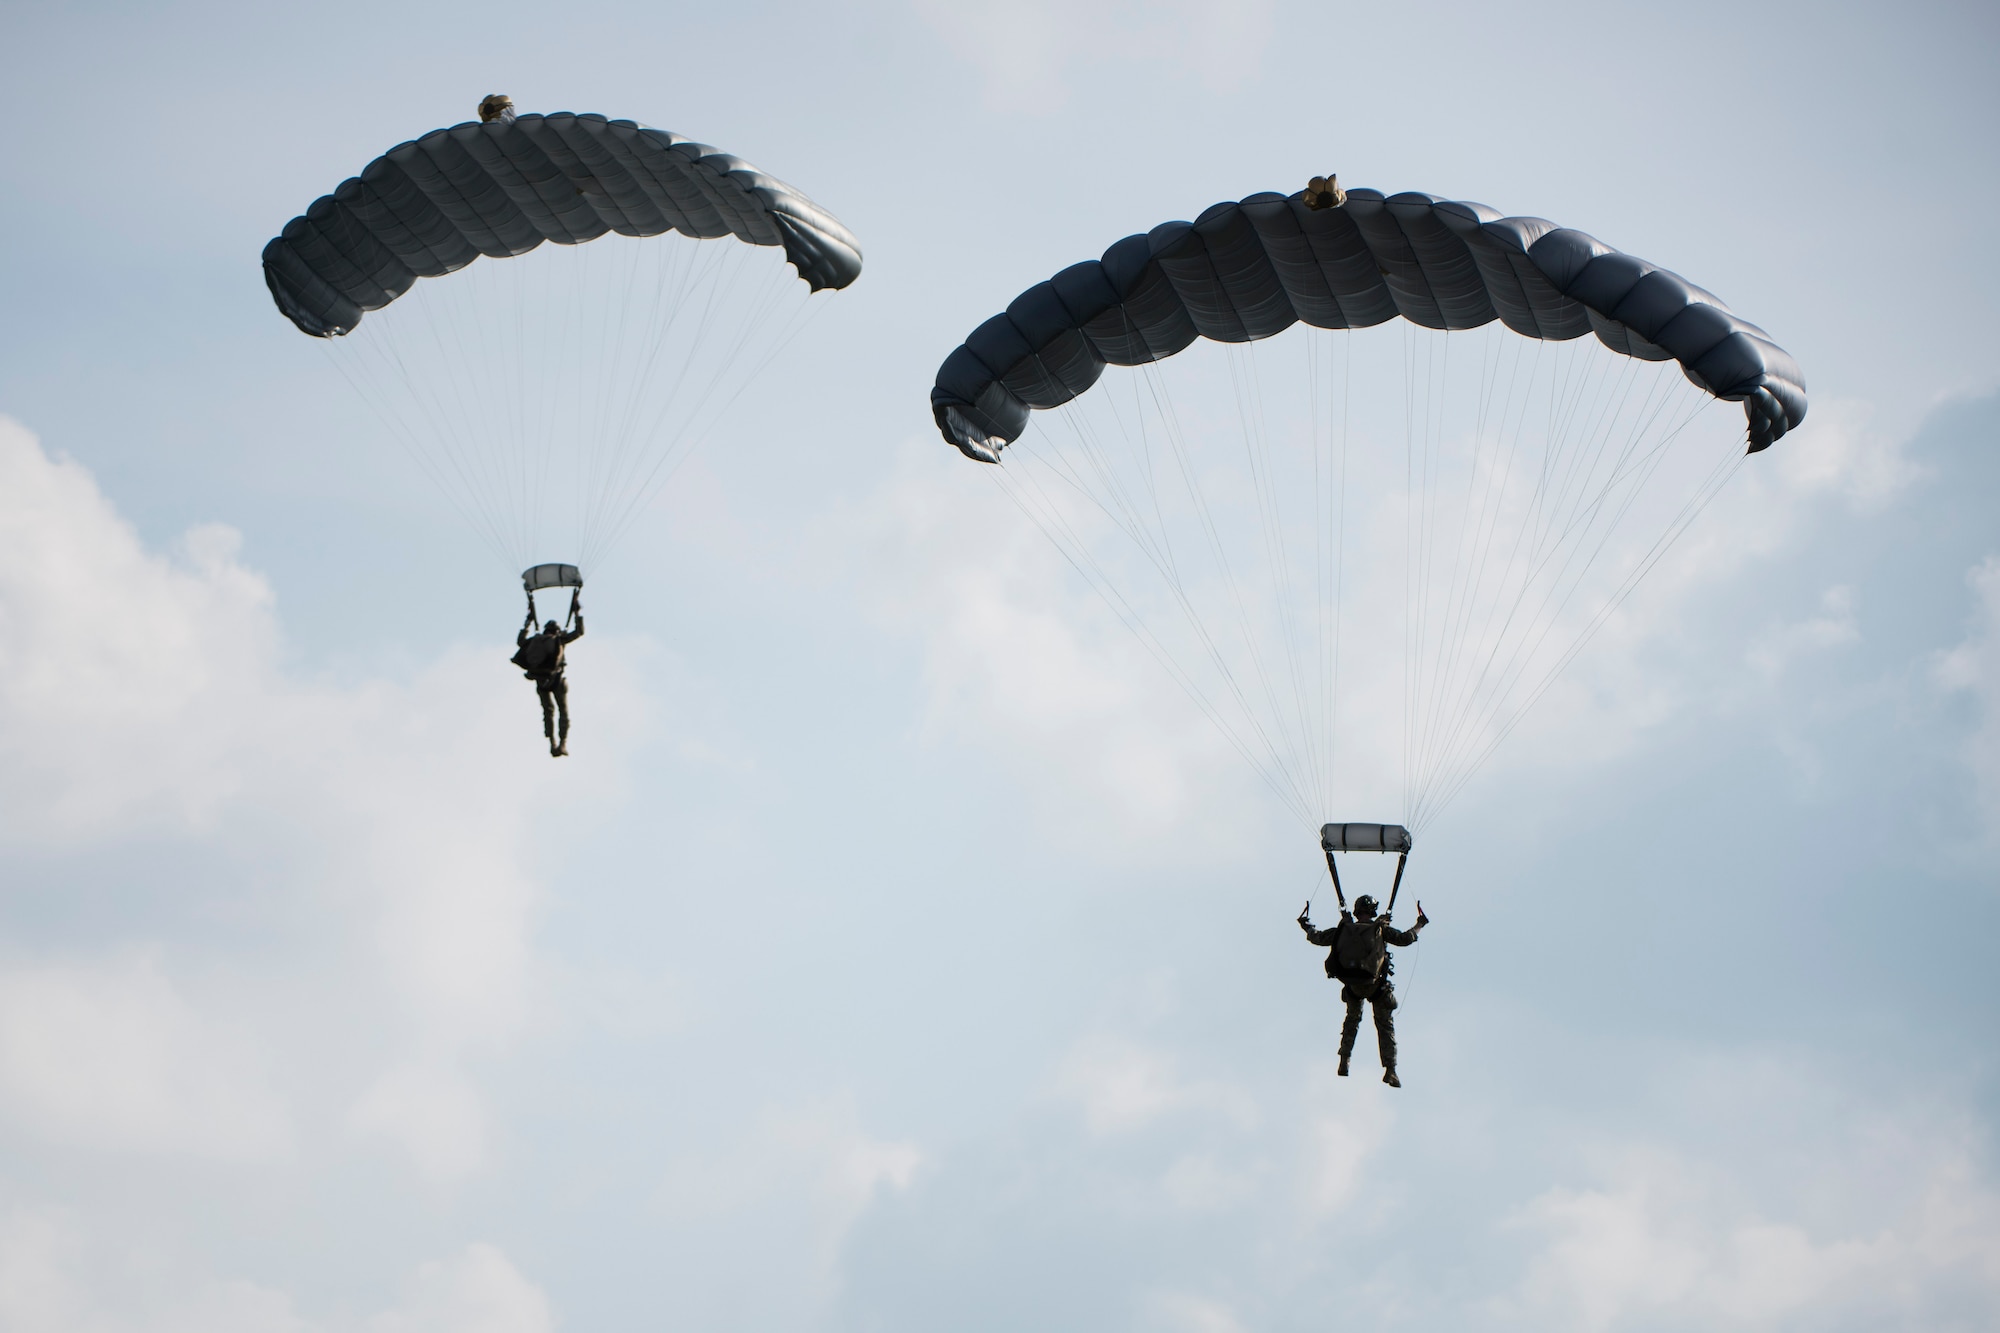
552,628
1364,907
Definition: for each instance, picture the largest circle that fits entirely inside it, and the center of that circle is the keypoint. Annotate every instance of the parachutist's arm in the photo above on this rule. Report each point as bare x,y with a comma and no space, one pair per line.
1406,937
576,633
1320,937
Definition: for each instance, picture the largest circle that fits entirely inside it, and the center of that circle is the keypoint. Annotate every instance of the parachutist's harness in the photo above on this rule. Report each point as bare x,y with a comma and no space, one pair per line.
1370,964
546,669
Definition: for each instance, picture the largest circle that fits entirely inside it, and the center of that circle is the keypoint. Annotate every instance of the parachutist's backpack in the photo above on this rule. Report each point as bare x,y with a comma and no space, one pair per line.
536,656
1359,954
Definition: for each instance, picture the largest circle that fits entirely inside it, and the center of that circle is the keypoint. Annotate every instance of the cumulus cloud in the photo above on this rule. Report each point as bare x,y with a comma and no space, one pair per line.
1021,658
769,1209
478,1291
1781,645
108,1054
146,695
1973,668
1670,1243
53,1279
1122,1085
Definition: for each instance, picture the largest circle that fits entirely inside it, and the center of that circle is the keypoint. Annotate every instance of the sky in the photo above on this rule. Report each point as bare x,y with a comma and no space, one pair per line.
899,949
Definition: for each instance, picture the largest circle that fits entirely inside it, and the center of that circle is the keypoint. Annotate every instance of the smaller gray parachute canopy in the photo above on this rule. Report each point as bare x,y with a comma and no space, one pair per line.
431,206
1364,838
1247,270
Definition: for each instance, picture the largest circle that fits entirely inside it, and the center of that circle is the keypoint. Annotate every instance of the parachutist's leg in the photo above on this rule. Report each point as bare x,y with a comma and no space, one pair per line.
1349,1029
562,711
548,713
1384,1004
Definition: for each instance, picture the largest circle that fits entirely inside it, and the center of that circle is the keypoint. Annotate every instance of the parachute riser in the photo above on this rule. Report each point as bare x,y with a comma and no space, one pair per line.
1334,870
1366,838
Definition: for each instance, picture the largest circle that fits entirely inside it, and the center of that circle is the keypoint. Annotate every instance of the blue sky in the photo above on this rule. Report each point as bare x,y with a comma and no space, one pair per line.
899,949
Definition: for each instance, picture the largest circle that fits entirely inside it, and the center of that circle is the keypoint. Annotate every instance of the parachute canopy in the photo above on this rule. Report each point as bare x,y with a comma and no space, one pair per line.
433,205
1364,838
551,576
1367,548
1245,271
553,395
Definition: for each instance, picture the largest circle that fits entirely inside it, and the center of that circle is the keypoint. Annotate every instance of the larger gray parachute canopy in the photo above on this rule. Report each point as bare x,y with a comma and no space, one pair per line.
431,206
1248,270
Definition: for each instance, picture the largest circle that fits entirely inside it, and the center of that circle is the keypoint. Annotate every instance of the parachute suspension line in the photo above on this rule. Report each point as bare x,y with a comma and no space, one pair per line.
1256,445
1576,515
678,270
1437,377
1718,479
370,364
1113,499
1176,436
1329,532
409,443
1047,516
1484,481
1466,569
1340,549
707,411
1441,732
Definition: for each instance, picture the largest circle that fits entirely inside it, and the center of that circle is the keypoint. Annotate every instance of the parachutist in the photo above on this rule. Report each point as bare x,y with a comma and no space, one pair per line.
1324,192
1358,958
540,657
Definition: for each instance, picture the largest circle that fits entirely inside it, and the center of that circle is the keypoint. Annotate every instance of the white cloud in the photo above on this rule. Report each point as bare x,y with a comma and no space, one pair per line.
1027,48
390,824
432,1112
1837,452
1123,1086
1022,659
1184,1312
108,1054
1781,645
763,1215
1973,667
1341,1144
1675,1242
479,1291
53,1280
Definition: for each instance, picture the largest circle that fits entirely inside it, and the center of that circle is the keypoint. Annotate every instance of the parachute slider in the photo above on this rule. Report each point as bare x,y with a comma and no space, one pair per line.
1364,838
538,577
1324,192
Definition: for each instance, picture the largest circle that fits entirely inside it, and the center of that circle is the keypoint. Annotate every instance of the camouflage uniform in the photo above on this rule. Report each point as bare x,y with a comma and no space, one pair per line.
546,651
1380,994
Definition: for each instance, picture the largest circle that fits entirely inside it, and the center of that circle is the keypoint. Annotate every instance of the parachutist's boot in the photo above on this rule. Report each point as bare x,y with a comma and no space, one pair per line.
1389,1077
1342,1070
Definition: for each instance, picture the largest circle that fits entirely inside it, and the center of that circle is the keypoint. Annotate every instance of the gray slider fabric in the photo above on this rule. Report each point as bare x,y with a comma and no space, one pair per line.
1364,838
433,205
1247,270
537,577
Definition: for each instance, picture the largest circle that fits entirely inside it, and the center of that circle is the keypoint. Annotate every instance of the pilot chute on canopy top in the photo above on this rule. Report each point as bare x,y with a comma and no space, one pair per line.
553,394
1364,551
